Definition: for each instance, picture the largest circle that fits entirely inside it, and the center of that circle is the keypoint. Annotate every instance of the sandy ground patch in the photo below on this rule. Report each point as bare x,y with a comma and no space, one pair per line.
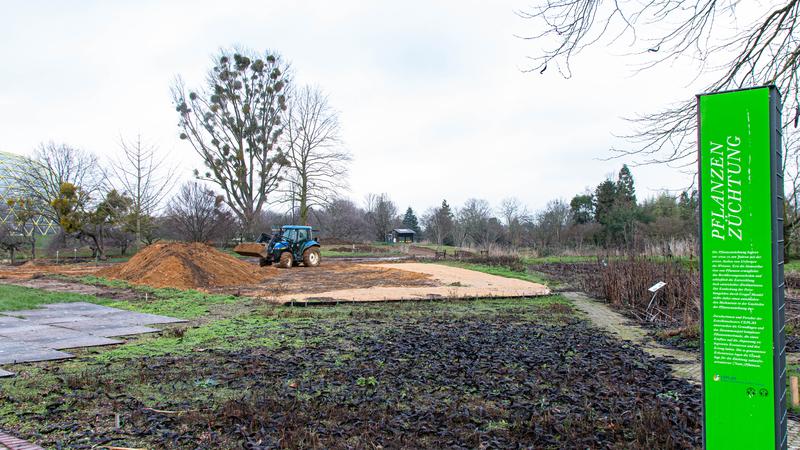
454,283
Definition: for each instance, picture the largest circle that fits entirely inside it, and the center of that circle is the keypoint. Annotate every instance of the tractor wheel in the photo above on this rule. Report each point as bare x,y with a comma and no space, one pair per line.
311,257
262,262
286,260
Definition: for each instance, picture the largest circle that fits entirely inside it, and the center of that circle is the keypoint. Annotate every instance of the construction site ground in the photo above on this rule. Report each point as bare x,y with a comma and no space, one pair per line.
245,371
331,281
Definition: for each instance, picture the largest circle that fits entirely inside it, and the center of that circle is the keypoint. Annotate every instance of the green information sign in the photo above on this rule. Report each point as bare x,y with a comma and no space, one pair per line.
741,261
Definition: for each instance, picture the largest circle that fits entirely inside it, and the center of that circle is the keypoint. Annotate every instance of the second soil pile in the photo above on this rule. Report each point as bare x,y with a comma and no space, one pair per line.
184,266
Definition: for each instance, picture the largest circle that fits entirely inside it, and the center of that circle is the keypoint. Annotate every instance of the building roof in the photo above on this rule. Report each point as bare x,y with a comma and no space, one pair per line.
404,231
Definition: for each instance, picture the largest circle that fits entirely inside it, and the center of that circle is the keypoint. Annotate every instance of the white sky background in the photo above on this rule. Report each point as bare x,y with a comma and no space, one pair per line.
431,97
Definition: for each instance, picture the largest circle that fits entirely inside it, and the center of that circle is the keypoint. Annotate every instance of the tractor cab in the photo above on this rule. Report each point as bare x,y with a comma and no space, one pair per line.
297,234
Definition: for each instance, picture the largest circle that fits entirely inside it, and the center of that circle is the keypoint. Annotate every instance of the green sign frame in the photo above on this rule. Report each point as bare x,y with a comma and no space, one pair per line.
743,342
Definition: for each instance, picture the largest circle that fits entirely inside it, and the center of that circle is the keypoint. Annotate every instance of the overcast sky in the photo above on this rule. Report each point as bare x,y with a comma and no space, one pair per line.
431,95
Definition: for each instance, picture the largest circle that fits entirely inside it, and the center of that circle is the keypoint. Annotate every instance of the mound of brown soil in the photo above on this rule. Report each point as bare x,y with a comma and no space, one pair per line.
184,266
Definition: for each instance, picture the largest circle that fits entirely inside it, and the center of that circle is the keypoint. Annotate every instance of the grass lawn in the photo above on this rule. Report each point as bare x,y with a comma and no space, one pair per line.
168,302
558,259
15,298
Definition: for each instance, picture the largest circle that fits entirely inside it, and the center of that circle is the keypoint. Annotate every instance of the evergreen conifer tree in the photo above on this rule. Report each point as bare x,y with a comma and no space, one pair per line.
411,222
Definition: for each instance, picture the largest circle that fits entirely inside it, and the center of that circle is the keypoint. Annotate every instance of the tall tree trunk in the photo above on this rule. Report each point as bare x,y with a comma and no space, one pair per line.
138,227
98,252
304,202
248,219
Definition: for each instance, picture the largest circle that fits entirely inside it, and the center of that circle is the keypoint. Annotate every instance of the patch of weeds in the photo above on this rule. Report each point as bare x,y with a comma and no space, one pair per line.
497,425
111,283
673,395
168,302
367,382
184,304
206,383
227,334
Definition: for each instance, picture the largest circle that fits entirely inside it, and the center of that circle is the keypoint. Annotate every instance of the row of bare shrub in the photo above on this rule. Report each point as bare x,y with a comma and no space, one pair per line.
513,262
625,283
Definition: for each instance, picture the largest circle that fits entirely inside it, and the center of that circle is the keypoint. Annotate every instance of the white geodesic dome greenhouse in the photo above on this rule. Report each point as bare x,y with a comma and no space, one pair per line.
11,167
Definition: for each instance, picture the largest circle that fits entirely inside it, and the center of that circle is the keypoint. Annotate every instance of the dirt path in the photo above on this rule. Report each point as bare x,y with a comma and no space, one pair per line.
454,283
31,270
687,364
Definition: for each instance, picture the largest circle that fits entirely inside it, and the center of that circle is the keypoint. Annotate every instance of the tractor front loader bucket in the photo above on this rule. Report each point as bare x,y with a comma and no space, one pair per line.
251,249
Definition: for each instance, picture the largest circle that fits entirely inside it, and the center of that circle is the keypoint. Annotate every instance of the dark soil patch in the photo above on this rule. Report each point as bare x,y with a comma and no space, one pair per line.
328,276
686,338
373,380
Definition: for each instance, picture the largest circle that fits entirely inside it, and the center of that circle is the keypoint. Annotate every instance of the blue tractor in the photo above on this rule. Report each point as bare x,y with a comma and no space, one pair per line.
288,246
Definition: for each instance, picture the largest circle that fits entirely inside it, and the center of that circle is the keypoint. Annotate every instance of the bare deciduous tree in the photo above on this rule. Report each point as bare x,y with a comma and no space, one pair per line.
381,215
552,222
318,170
343,220
196,214
434,228
438,223
52,165
791,210
473,221
144,178
766,50
235,124
515,214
